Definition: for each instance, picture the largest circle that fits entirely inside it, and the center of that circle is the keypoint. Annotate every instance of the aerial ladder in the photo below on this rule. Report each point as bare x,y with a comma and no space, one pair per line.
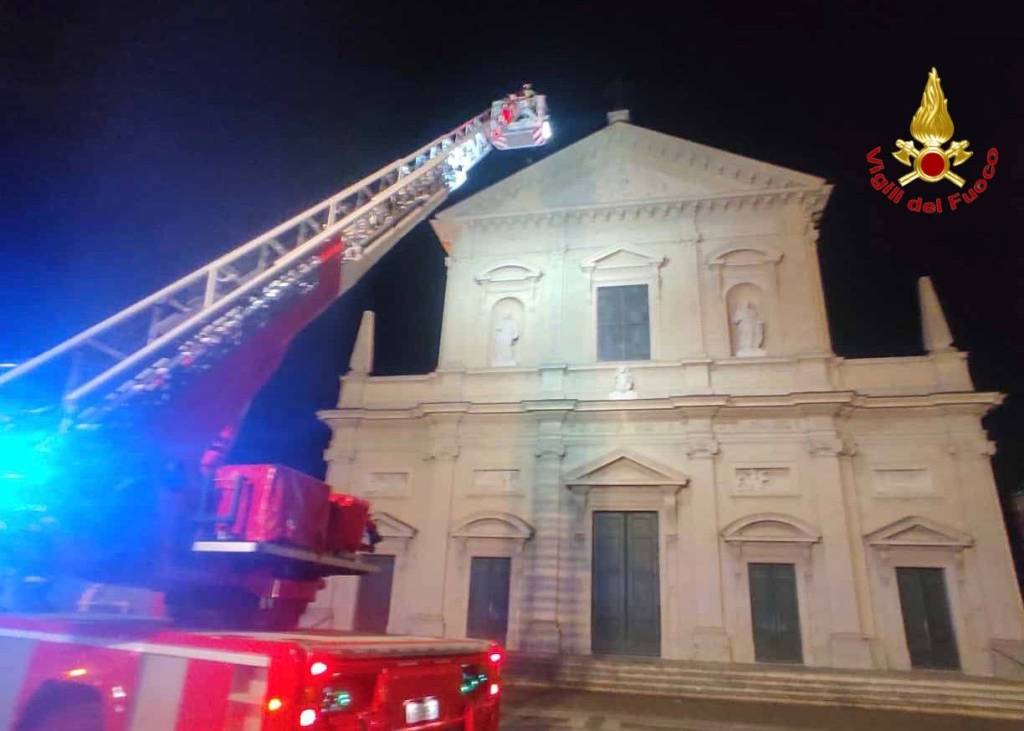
143,406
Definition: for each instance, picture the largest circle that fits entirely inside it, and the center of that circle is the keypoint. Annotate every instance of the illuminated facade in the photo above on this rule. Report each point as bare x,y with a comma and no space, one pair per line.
639,441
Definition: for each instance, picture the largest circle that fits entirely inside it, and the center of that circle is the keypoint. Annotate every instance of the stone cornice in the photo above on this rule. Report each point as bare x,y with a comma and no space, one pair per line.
846,402
813,198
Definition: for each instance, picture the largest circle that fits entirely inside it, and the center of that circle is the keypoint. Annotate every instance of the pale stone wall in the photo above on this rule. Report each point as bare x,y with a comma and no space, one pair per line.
845,468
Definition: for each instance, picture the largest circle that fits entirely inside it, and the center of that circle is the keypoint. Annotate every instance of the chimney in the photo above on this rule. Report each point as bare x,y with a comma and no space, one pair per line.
619,115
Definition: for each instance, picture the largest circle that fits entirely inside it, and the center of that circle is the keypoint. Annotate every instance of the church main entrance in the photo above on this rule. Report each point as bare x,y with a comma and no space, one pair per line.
625,595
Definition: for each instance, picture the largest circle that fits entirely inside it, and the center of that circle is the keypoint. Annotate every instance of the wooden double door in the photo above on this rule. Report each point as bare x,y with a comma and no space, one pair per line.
927,620
774,612
625,589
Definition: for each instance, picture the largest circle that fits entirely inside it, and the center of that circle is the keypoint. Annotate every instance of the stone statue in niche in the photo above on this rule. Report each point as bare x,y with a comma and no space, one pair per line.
749,331
625,387
506,335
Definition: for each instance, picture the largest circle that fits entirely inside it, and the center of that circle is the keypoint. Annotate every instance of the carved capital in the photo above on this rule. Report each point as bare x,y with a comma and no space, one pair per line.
549,448
443,452
702,446
824,445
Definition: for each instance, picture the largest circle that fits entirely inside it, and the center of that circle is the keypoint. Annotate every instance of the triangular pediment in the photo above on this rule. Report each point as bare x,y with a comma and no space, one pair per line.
624,468
623,163
621,258
917,531
391,527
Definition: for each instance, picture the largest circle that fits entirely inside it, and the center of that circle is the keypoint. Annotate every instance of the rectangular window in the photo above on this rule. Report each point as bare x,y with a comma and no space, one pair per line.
623,323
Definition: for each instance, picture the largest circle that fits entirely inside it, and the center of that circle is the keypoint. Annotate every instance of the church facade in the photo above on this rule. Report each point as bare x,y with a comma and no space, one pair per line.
639,441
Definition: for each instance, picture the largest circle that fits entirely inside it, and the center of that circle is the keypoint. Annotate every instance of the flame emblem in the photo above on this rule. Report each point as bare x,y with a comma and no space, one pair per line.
932,127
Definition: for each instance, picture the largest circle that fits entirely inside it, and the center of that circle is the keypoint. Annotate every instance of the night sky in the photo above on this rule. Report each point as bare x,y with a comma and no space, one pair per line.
140,141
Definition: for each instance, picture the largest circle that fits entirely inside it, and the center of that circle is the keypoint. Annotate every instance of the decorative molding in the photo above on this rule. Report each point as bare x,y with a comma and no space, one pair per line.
918,532
763,481
979,446
770,528
623,468
812,199
726,405
508,272
495,482
719,257
394,528
493,525
549,449
443,452
824,445
388,483
620,258
701,446
902,481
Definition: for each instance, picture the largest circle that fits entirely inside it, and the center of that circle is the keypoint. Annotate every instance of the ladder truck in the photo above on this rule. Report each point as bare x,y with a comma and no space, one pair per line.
112,448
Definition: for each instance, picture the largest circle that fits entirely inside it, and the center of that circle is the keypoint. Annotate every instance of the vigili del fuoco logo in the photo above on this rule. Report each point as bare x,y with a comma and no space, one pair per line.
931,163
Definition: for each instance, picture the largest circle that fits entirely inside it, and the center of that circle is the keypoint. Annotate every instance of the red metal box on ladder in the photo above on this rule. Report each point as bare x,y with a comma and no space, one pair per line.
273,504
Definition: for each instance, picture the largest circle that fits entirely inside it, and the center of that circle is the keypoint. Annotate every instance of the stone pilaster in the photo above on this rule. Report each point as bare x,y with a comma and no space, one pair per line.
710,639
998,621
433,554
546,557
849,645
341,454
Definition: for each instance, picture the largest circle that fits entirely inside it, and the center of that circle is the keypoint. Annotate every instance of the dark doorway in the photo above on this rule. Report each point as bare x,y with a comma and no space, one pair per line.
488,598
373,601
625,596
926,619
774,612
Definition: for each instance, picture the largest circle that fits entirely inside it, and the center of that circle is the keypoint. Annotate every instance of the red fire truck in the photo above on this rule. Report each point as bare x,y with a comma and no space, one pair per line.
123,484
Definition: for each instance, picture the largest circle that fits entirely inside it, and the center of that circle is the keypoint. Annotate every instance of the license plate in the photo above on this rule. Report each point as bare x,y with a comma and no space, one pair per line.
422,709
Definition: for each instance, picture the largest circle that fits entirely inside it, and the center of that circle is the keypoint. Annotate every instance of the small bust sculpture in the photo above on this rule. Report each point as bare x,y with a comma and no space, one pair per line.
625,387
749,331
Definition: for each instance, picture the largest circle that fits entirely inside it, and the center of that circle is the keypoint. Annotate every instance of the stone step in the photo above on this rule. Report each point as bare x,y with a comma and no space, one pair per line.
933,706
807,684
938,678
816,690
922,679
955,695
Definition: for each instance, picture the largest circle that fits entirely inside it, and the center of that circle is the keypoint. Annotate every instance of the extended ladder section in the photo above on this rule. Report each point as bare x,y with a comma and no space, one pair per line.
202,314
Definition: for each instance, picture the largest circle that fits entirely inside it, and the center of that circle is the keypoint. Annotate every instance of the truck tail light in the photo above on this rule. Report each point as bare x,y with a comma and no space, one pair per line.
496,655
307,717
274,705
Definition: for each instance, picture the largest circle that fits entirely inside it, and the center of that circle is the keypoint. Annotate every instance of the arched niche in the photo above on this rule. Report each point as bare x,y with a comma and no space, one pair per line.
507,322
